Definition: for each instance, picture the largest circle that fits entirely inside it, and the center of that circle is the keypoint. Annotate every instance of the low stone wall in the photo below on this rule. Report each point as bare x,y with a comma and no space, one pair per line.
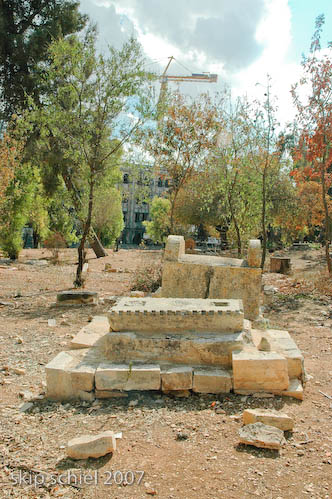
192,276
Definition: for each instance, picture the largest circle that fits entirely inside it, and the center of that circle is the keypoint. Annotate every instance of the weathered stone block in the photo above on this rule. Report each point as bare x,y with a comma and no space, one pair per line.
281,342
254,253
83,378
58,375
214,350
127,377
144,377
91,445
177,378
259,371
212,381
268,417
177,315
175,248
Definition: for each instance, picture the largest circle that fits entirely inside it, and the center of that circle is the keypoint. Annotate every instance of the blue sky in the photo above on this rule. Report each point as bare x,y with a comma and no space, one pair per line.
303,15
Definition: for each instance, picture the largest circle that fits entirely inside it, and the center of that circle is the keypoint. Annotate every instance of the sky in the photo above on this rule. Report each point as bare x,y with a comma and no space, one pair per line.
240,40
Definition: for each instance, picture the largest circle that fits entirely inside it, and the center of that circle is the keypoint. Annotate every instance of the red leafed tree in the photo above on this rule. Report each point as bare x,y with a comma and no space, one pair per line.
314,117
182,141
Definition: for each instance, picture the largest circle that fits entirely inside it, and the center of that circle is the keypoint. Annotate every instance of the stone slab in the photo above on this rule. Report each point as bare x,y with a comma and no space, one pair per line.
259,371
177,378
176,315
261,435
269,417
214,350
127,377
89,335
212,381
94,446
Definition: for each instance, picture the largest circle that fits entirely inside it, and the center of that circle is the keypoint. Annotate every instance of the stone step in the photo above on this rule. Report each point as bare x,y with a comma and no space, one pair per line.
75,374
199,349
176,315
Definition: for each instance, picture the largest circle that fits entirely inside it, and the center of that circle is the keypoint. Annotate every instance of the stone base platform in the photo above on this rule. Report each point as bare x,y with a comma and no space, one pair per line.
104,364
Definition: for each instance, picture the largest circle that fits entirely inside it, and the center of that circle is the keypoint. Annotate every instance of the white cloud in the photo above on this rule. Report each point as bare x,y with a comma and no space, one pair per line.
242,41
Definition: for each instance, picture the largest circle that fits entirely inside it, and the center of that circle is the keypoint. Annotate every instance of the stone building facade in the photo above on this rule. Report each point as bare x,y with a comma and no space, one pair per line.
139,188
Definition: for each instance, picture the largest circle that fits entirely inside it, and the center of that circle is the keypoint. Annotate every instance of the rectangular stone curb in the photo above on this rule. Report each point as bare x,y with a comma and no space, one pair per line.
212,381
127,377
177,378
259,371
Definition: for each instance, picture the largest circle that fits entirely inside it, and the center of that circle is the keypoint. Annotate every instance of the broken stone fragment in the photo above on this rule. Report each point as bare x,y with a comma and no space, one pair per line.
268,417
91,445
261,435
264,345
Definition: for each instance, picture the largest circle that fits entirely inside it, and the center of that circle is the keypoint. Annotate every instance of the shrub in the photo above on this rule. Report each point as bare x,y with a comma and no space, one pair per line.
147,279
190,244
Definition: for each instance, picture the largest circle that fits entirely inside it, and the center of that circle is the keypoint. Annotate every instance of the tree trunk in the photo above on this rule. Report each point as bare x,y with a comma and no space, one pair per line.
264,241
92,237
96,244
326,223
81,249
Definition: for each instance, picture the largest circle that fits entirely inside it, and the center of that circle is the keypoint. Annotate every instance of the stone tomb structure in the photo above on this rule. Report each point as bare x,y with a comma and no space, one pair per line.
214,277
175,344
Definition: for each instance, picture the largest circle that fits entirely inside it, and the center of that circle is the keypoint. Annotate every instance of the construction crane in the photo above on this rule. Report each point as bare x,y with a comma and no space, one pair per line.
194,77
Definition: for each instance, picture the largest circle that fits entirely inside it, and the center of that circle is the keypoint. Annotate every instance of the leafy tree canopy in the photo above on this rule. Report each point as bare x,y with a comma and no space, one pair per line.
27,27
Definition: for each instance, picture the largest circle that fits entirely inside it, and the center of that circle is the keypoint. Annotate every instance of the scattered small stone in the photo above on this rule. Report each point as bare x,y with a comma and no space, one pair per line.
26,395
19,341
182,436
26,406
133,403
51,322
19,371
261,435
91,445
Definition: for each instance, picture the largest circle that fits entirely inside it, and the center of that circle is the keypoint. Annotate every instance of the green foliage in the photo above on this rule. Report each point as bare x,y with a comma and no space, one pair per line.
24,203
107,215
81,124
26,30
159,227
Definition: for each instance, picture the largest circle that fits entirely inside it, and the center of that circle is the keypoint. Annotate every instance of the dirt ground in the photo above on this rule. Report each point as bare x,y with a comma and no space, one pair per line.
187,448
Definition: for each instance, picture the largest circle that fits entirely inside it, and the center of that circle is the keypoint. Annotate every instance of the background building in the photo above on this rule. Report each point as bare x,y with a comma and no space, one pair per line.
139,188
